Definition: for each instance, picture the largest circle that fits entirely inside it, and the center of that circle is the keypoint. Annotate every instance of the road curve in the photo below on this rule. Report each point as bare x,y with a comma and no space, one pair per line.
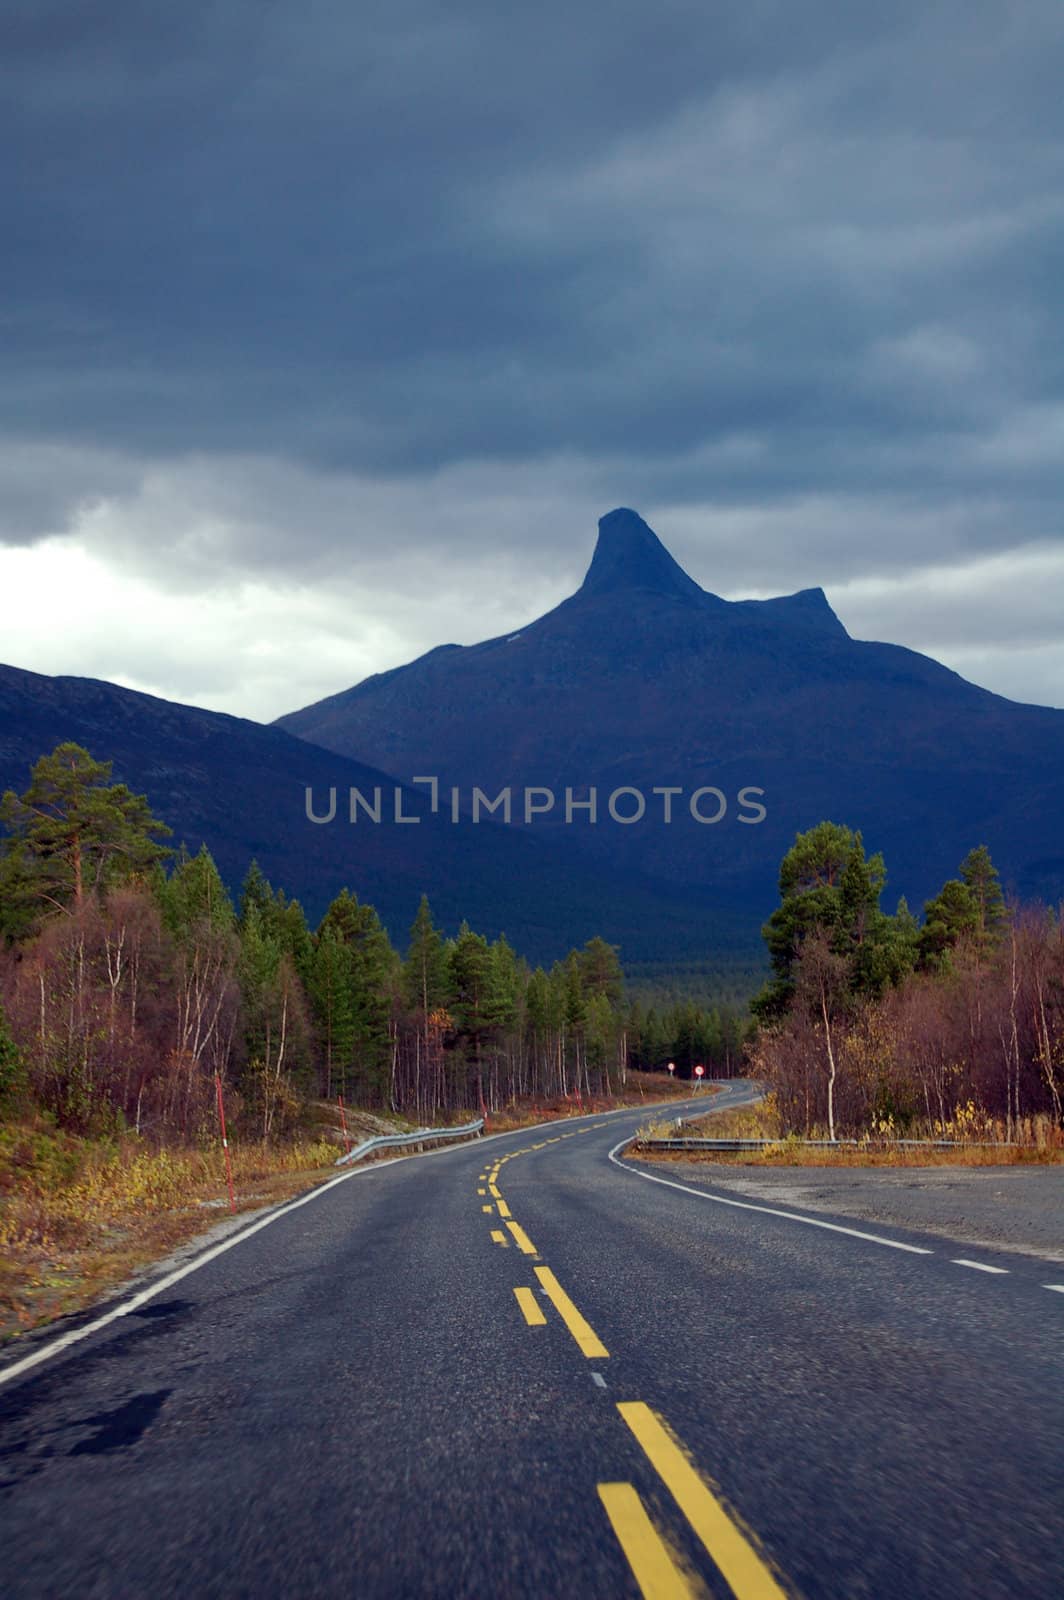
519,1368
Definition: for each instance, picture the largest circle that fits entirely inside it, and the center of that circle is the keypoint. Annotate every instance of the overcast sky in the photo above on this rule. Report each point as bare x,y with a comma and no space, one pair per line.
330,330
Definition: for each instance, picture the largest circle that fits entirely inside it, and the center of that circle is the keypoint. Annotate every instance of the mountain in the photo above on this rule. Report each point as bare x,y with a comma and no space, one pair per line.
644,679
240,787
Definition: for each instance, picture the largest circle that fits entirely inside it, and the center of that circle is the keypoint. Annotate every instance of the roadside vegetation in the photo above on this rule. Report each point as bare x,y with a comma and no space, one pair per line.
975,1141
134,990
130,982
880,1026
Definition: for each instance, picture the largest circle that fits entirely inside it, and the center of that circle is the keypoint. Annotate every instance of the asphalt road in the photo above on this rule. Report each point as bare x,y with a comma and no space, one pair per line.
353,1401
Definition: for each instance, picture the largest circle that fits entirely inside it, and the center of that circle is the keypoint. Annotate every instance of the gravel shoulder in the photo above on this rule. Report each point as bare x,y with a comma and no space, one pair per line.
1001,1208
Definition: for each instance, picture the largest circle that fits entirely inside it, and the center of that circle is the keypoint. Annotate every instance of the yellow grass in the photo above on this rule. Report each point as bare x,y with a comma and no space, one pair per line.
77,1216
1036,1141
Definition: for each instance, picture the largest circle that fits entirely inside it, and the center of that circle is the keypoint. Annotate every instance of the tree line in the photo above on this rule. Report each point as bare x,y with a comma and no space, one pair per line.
879,1023
129,980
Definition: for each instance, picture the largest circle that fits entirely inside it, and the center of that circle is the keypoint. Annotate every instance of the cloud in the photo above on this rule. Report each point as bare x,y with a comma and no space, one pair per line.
390,303
151,591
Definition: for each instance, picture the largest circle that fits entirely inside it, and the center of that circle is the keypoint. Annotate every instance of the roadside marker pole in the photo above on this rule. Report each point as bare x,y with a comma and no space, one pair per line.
225,1141
343,1120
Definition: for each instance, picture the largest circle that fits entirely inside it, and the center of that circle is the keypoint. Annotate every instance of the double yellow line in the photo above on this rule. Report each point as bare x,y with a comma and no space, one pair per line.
742,1567
653,1565
583,1333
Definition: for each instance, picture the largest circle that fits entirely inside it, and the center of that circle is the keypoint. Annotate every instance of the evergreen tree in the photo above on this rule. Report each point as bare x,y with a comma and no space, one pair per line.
951,916
283,919
194,896
471,997
287,920
260,960
600,1038
655,1042
830,890
504,985
538,1010
255,891
373,971
332,997
600,970
980,876
425,968
70,835
274,1020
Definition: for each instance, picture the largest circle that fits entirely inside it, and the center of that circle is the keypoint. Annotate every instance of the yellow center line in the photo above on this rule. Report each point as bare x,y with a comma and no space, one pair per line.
500,1238
531,1308
745,1571
503,1209
492,1189
581,1330
652,1567
523,1242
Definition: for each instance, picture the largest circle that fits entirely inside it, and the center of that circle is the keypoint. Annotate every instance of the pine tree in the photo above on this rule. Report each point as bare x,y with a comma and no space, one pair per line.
255,891
829,890
470,973
374,971
949,918
980,876
287,920
332,997
282,918
72,834
274,1019
425,967
601,971
538,1016
194,897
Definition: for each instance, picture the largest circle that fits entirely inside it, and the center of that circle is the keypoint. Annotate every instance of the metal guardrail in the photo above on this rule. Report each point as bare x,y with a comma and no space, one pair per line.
689,1143
399,1141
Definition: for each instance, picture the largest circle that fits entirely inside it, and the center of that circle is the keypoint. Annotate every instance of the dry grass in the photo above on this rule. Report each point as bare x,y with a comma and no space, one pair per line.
78,1216
1037,1141
789,1153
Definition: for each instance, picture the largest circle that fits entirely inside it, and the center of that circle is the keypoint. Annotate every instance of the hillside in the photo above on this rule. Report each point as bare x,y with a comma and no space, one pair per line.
240,787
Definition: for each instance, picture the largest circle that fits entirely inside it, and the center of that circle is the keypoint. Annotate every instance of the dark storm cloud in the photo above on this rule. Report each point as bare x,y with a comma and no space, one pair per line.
738,254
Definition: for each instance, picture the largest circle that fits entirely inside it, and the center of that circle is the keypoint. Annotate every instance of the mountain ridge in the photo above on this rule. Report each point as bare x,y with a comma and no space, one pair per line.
643,677
239,787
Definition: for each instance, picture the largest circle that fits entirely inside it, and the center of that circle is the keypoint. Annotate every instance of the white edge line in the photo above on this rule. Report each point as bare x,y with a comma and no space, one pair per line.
149,1293
976,1266
65,1340
1058,1288
769,1211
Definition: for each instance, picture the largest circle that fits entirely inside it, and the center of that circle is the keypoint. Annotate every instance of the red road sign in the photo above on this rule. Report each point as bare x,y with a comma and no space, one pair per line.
700,1072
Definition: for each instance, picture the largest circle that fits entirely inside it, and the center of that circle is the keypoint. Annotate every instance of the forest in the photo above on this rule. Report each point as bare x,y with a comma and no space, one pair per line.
130,981
877,1024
